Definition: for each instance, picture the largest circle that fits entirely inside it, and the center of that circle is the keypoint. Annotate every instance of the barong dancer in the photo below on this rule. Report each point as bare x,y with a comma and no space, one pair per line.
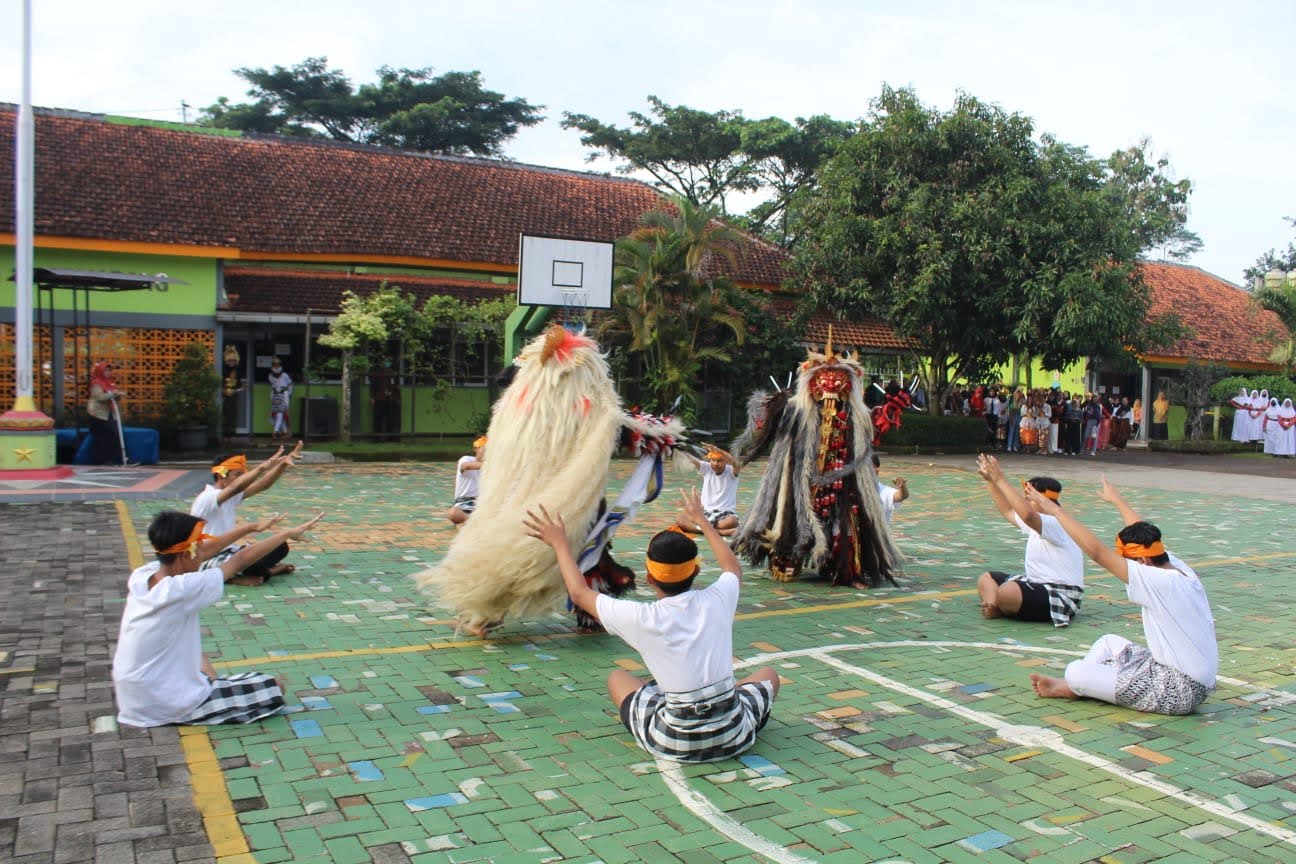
1176,671
552,434
817,505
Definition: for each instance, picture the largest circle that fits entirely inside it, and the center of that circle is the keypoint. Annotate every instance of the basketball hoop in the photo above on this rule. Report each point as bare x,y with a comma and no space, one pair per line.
574,303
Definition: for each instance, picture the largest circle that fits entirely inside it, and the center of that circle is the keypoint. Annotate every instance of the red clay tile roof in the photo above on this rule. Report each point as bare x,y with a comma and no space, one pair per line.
867,334
272,290
1226,325
283,196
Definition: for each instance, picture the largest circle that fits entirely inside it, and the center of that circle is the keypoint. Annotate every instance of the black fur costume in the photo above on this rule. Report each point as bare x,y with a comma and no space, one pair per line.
818,504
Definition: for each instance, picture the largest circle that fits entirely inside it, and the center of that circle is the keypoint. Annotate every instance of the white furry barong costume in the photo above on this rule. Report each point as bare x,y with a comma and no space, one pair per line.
551,439
818,504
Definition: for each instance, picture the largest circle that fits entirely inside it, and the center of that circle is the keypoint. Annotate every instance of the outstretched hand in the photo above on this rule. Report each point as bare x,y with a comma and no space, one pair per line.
1108,492
692,507
988,468
548,529
299,531
1041,502
267,522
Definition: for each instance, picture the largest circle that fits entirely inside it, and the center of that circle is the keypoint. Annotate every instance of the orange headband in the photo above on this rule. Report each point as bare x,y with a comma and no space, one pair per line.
480,442
1138,550
190,543
234,463
1047,493
672,573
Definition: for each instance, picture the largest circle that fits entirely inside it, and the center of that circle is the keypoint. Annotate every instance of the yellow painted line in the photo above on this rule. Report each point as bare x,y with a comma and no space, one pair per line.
210,794
17,671
856,604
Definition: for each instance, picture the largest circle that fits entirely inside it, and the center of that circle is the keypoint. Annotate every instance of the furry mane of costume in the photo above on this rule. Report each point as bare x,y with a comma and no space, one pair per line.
551,438
817,504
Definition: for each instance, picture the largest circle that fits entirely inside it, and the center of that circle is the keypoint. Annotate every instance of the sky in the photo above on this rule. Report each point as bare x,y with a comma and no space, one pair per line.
1209,84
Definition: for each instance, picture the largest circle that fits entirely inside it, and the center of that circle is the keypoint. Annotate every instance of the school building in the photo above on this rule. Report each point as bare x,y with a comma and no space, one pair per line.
251,242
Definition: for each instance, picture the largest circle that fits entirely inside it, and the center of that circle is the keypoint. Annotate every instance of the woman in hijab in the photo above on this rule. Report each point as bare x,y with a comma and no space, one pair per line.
1239,404
105,445
1287,438
1272,429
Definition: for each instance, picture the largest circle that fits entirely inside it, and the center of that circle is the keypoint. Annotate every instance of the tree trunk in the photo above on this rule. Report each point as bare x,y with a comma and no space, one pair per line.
345,409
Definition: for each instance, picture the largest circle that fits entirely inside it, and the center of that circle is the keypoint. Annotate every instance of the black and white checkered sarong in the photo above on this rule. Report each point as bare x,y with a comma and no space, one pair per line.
715,514
243,698
1146,685
715,722
465,505
1064,600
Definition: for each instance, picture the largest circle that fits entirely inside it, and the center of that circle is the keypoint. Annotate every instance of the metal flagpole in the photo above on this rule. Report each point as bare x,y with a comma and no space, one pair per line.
28,435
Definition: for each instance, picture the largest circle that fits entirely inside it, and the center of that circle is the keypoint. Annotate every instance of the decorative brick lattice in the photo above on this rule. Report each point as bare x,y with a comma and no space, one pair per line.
141,357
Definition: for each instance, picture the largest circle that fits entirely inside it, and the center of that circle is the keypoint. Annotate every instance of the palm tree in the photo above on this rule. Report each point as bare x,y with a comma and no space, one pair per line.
671,301
1281,300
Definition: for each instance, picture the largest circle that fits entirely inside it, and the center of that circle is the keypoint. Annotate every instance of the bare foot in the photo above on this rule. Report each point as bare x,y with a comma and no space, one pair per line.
248,581
1051,688
482,629
280,569
989,610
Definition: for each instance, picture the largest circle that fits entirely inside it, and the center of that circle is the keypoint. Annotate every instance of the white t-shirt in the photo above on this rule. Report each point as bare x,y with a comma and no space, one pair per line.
719,491
466,481
1051,555
686,641
220,518
889,502
157,670
1177,618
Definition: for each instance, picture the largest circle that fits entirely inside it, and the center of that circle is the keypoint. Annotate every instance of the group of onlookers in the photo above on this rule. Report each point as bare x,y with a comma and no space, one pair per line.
1258,417
1055,421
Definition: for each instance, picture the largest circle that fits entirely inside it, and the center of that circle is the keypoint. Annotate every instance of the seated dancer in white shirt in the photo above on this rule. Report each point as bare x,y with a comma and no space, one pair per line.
692,710
159,673
719,493
467,483
1176,671
1053,585
892,496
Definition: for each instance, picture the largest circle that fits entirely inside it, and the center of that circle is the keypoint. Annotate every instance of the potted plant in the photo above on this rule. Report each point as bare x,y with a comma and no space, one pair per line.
191,397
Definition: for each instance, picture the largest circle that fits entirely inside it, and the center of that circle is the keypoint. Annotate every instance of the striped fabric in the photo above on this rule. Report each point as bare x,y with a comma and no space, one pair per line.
465,505
715,722
1064,600
244,698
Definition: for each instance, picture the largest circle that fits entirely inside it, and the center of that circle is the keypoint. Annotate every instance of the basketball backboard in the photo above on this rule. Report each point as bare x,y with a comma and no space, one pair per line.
564,273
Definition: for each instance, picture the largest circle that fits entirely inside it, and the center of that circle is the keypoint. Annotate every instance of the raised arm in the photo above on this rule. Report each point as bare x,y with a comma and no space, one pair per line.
1104,556
249,555
1112,496
211,547
244,481
725,557
280,464
550,530
1009,500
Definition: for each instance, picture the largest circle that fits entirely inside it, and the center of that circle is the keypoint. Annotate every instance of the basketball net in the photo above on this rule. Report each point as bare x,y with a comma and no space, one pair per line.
574,303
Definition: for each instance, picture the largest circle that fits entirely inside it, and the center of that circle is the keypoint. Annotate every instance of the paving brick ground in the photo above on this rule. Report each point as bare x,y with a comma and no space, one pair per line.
906,730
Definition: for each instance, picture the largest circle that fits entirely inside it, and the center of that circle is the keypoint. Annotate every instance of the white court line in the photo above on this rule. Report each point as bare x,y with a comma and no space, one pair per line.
1028,736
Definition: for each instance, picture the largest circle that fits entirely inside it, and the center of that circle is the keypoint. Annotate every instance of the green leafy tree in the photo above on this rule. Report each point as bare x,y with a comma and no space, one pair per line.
1153,203
670,304
1280,299
693,154
784,160
1273,260
973,239
408,108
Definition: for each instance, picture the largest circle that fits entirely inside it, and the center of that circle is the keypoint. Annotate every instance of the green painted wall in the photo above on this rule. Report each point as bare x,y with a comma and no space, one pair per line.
1069,379
196,298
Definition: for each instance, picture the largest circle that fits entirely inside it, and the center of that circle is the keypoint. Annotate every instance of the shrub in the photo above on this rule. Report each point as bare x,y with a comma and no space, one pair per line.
1279,386
191,394
955,434
1204,445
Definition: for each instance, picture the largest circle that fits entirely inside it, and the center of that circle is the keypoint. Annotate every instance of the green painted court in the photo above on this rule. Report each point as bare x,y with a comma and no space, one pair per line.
906,729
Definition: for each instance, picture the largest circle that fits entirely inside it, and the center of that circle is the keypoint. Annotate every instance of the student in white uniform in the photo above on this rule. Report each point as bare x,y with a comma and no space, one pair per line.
1270,431
1286,446
159,673
467,482
1240,403
719,493
892,496
692,710
233,482
1176,671
1053,585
